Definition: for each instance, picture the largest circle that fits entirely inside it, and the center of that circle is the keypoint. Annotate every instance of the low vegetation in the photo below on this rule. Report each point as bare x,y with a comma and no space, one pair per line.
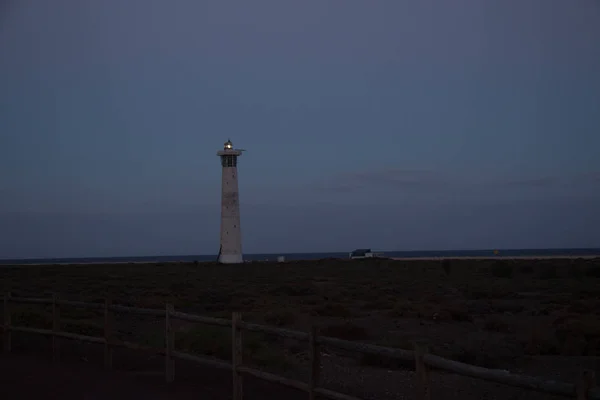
487,312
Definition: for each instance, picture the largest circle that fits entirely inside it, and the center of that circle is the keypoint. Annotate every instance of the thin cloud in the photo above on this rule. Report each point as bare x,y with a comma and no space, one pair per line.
555,181
589,177
397,178
389,178
534,182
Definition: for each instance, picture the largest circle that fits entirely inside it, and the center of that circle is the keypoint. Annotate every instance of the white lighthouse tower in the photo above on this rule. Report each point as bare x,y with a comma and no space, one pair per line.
231,234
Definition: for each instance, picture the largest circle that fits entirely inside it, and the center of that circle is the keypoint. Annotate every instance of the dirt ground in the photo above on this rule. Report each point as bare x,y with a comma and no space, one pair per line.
34,377
30,376
540,317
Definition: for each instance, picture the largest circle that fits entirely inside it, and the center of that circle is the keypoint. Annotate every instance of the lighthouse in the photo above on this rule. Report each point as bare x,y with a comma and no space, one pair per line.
230,251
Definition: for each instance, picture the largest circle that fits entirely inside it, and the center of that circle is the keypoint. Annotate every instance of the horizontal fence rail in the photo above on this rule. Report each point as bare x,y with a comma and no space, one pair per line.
583,389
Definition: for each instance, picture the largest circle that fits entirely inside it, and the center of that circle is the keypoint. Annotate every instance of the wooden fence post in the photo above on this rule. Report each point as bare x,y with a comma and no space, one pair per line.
55,329
7,322
422,372
586,382
108,334
315,363
236,355
169,345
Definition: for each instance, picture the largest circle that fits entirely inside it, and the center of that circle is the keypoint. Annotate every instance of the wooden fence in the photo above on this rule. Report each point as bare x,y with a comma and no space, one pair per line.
583,389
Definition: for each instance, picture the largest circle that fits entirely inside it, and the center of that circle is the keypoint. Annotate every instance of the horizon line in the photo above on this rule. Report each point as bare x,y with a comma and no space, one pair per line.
500,250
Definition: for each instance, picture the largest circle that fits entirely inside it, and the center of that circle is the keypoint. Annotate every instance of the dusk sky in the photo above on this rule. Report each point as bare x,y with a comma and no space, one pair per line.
395,125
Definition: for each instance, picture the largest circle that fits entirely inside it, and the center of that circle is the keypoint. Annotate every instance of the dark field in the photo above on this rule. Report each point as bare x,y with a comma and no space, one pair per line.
536,316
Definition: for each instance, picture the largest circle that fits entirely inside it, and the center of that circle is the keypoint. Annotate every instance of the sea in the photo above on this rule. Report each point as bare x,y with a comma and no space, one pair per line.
583,252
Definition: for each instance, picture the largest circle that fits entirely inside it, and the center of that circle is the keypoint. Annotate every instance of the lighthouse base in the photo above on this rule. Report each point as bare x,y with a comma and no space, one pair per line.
231,259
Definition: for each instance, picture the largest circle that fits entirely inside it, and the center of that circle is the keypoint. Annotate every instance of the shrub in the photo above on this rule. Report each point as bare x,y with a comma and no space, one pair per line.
31,318
279,318
454,311
332,310
386,362
584,306
507,306
88,328
379,304
541,342
205,340
216,342
502,270
548,272
496,323
447,266
526,269
593,271
291,290
459,313
412,309
346,331
575,271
